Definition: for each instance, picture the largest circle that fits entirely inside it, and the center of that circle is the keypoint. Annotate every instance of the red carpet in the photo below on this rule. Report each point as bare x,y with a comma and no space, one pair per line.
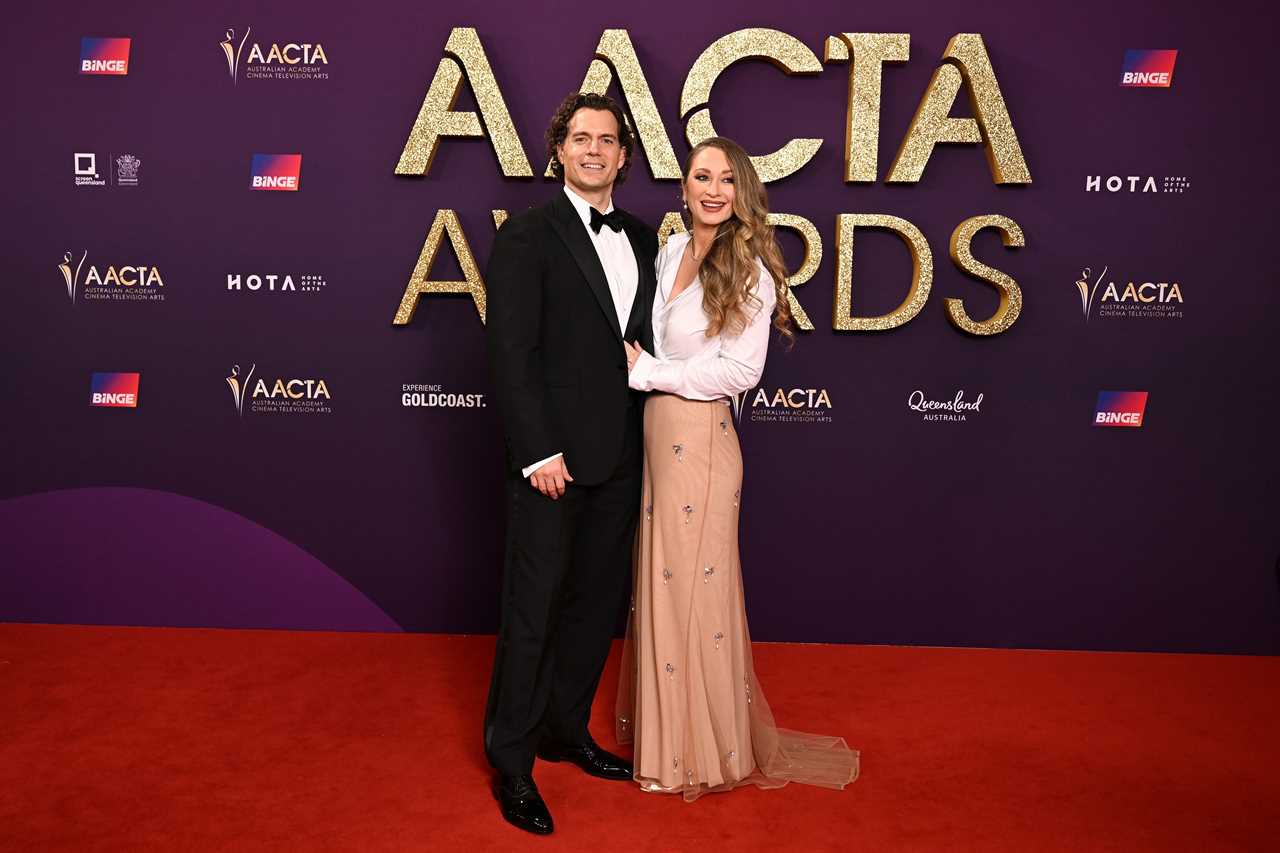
129,739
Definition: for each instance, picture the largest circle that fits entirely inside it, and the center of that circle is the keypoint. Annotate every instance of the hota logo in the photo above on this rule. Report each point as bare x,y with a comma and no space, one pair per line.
275,172
1136,184
1135,300
108,56
280,396
126,283
276,282
290,61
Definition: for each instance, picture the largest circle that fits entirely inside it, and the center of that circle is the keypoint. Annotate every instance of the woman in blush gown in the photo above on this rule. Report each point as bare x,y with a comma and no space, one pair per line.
688,695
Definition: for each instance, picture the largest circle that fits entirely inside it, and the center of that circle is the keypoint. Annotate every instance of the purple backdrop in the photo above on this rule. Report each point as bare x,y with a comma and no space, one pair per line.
1024,525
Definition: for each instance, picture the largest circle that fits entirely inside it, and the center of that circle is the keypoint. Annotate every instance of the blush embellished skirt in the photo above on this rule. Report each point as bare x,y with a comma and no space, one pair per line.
688,696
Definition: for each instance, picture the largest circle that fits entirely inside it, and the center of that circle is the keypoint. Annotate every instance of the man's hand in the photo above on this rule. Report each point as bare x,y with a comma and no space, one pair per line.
550,479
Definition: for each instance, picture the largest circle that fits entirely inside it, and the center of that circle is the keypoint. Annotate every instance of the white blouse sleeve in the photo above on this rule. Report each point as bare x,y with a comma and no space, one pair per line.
731,366
659,300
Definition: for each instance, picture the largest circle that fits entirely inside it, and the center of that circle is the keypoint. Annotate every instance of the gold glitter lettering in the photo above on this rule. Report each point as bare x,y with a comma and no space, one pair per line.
1010,294
437,118
446,223
616,56
812,257
921,273
869,52
965,60
782,50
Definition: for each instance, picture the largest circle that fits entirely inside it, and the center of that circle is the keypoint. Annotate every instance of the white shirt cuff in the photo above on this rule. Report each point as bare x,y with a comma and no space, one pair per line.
641,376
525,472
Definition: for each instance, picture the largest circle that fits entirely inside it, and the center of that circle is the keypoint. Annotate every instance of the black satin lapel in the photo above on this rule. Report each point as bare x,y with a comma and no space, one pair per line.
647,283
569,227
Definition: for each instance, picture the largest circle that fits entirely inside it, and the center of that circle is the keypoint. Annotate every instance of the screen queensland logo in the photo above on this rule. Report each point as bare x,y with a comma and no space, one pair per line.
114,390
1120,408
104,56
275,172
260,393
1148,68
290,60
123,173
134,282
1134,299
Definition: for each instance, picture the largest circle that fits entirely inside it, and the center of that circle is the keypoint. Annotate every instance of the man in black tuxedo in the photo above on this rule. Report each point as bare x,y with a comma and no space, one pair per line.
567,283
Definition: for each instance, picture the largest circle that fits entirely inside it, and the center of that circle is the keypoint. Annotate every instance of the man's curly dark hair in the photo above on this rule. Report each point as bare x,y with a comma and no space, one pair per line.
559,128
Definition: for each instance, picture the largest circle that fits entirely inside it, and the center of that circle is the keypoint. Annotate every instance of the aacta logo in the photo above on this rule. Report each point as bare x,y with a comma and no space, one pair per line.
292,60
280,395
1134,299
1148,68
104,56
1120,408
114,390
126,282
276,172
797,405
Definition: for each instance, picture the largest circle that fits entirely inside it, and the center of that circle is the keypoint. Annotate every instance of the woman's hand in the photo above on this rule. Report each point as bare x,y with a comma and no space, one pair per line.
633,354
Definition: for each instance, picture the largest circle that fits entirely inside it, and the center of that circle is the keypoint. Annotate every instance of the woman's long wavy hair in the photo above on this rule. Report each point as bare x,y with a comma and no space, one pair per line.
729,271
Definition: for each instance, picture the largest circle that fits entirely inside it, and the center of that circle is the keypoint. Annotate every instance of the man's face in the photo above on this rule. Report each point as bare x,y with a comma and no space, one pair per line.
590,153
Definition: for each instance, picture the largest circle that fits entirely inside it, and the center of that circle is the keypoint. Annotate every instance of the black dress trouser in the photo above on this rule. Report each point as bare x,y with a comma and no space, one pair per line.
567,575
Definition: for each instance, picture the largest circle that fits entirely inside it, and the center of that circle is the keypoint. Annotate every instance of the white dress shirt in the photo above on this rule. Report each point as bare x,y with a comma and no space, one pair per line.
620,271
685,361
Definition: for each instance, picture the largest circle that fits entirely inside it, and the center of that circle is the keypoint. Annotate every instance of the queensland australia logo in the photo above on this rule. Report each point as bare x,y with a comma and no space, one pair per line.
275,172
124,170
272,282
1120,408
426,396
791,405
273,61
257,393
1148,68
1140,184
1132,299
120,282
955,409
109,56
114,390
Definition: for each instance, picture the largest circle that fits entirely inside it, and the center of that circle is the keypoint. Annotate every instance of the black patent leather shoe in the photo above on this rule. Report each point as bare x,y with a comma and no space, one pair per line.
522,805
590,757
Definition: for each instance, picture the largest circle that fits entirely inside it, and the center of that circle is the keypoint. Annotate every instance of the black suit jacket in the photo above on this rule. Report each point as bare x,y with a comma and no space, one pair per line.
555,349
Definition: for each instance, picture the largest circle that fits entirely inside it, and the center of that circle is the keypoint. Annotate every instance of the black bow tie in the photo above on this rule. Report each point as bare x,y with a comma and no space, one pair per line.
613,220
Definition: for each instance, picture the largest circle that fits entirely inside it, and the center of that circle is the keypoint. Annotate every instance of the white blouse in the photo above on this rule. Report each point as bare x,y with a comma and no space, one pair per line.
688,363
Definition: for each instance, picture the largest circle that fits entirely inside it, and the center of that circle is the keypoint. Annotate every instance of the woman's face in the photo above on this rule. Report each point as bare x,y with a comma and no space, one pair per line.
709,188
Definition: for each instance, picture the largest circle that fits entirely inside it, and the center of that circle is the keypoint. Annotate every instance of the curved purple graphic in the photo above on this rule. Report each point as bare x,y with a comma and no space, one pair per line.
171,560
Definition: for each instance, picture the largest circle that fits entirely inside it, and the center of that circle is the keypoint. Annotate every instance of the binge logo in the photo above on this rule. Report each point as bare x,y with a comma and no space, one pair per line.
276,172
114,390
1120,408
104,56
1148,68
